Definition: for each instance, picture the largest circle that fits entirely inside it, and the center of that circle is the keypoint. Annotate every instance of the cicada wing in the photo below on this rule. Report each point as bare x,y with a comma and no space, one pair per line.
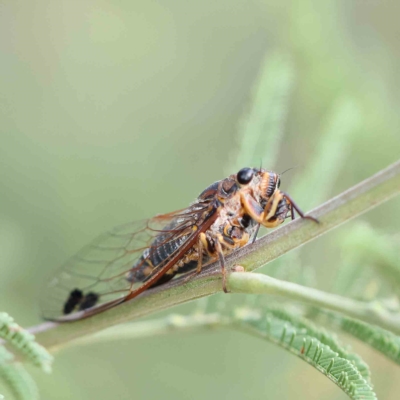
98,268
102,271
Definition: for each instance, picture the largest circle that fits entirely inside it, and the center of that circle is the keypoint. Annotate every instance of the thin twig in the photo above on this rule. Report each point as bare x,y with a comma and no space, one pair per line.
353,202
156,327
370,312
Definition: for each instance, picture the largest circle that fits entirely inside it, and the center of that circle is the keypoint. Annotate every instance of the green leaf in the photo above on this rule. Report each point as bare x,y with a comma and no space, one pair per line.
20,383
24,342
313,346
364,246
261,130
327,338
380,339
329,155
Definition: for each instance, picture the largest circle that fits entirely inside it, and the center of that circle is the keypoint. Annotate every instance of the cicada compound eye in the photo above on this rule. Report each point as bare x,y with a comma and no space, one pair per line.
245,175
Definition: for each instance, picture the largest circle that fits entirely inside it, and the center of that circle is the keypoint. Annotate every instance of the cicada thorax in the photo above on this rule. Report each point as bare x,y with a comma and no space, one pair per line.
234,227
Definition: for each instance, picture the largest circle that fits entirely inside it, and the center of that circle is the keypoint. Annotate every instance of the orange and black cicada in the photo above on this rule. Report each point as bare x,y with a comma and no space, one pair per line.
131,258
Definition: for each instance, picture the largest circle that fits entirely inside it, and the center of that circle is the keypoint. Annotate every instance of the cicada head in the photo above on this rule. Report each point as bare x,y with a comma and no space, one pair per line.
263,183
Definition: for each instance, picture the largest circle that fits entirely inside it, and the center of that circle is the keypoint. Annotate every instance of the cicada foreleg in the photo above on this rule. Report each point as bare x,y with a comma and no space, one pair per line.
274,212
265,216
294,207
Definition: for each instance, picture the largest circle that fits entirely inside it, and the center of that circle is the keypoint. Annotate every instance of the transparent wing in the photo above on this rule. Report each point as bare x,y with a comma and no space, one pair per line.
115,263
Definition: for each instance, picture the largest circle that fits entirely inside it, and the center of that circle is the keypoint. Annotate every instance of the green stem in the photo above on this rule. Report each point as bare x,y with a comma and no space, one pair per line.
353,202
263,284
156,327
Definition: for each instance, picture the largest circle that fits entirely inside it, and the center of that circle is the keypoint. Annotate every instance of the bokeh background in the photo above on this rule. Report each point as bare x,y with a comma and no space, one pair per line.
115,111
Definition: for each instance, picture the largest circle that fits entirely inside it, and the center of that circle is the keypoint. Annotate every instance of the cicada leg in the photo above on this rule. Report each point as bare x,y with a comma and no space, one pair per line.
200,248
213,247
256,233
266,216
201,245
293,206
221,259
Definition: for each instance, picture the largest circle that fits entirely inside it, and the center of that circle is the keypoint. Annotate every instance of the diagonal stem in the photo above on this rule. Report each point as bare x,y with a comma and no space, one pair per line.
355,201
370,312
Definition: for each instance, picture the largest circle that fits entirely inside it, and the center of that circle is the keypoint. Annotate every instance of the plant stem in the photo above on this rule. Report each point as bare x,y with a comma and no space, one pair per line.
156,327
263,284
351,203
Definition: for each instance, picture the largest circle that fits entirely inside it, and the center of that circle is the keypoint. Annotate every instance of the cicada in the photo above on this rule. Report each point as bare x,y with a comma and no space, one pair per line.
129,259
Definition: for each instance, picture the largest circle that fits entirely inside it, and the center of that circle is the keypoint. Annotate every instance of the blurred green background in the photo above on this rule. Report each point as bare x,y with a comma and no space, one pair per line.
115,111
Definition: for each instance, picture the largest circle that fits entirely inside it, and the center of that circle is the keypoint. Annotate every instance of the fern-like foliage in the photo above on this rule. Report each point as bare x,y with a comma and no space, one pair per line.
268,113
13,373
380,339
364,246
314,346
324,337
331,150
24,342
18,380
